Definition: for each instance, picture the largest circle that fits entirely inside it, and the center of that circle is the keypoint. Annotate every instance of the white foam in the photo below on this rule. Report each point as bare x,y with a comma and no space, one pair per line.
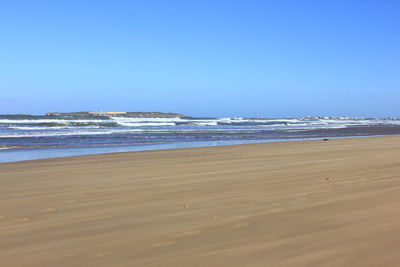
138,124
143,120
71,133
210,123
35,128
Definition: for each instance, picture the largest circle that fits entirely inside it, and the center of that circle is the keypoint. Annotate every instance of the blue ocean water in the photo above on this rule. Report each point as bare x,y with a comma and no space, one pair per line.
24,137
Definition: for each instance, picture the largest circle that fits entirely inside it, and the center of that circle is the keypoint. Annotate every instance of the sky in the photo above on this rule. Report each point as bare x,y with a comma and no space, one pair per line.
270,58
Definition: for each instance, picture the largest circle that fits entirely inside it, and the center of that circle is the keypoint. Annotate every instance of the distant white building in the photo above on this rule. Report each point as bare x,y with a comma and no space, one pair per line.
109,114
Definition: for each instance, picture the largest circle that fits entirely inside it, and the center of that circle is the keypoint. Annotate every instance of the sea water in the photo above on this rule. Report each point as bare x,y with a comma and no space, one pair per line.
25,137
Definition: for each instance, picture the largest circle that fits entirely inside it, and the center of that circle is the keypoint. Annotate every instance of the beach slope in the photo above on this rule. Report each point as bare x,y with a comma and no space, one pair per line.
314,203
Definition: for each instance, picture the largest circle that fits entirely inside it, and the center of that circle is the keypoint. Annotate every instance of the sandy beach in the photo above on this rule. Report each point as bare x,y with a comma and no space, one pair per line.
306,203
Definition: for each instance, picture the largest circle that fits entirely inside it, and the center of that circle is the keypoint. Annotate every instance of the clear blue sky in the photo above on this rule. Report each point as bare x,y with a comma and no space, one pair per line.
203,58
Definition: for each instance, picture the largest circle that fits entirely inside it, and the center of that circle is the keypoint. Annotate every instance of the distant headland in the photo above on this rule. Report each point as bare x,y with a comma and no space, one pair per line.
118,114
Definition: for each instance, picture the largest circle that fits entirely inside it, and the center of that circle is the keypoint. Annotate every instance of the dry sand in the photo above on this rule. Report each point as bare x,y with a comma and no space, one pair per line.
315,203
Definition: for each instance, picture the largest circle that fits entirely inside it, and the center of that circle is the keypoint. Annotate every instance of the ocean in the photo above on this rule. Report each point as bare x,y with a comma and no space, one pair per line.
25,137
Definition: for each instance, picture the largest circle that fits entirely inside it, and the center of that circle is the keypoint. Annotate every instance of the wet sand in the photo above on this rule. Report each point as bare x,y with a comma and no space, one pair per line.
311,203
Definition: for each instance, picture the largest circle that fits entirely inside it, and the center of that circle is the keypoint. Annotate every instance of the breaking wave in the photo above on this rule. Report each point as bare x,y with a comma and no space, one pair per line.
51,127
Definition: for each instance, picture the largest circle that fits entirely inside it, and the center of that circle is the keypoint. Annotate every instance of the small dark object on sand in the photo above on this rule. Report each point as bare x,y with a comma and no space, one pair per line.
328,178
326,139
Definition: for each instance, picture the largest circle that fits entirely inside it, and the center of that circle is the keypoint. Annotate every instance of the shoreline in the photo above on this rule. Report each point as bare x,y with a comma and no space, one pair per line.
304,203
66,152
